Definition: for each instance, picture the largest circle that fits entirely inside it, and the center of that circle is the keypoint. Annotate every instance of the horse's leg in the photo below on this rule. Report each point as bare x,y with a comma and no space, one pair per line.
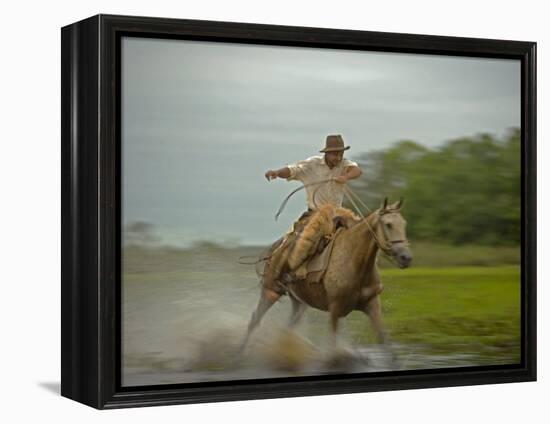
334,317
370,304
298,309
374,312
339,357
267,298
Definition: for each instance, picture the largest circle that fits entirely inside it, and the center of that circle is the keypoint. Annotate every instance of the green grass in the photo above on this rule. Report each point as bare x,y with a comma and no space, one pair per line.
442,255
471,310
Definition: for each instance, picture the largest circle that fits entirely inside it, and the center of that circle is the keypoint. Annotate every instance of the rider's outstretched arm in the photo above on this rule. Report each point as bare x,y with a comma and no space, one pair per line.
280,173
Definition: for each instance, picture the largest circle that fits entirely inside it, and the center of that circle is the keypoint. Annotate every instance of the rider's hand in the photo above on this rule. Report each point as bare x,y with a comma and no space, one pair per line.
342,179
271,175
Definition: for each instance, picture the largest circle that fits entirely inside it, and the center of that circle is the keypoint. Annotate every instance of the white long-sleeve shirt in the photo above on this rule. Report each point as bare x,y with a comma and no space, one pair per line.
315,169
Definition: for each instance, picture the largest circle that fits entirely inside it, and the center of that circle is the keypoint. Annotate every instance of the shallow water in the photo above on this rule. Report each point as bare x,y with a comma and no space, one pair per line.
184,315
360,360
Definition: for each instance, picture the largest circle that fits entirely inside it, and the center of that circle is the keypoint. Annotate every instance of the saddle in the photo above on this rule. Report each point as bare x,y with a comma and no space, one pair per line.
303,254
317,265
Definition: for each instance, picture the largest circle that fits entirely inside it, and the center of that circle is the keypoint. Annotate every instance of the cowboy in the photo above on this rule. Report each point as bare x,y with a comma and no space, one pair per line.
319,169
324,177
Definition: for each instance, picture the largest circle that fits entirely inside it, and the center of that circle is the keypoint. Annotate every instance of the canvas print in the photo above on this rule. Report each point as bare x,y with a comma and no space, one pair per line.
297,212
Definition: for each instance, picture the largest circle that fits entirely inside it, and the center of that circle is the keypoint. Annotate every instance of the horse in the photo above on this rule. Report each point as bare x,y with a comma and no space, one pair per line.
351,280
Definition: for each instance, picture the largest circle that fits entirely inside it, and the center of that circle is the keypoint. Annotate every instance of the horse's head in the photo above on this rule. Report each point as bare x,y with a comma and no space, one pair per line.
391,233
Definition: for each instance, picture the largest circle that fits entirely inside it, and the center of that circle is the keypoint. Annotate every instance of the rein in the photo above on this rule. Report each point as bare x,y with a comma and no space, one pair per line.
386,250
350,195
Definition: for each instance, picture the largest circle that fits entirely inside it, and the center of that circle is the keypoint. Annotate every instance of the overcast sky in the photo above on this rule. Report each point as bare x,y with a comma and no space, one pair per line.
202,122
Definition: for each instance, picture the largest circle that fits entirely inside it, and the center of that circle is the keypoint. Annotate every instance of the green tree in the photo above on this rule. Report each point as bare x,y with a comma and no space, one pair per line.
466,191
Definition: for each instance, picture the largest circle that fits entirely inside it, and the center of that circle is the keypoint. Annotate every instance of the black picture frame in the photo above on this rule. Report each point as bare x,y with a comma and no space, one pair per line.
90,139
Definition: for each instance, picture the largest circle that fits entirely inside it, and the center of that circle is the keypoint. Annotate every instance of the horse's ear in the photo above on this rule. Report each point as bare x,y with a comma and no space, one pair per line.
399,204
385,205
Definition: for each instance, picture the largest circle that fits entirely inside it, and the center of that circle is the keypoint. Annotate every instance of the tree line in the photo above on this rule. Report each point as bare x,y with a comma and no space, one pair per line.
465,191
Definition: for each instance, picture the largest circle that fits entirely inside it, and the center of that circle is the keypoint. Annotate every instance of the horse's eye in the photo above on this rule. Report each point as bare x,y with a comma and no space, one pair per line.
388,225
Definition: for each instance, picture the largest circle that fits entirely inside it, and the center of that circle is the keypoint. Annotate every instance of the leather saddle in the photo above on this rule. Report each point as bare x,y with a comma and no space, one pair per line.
317,265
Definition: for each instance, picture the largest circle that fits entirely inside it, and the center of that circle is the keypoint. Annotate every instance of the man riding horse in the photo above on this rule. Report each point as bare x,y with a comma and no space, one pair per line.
324,177
349,280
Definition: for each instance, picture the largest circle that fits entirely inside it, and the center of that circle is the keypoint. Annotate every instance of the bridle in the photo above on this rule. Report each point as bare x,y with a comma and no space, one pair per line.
385,247
389,243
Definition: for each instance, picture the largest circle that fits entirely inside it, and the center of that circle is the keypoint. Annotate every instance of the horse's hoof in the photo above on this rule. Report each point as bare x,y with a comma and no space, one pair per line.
394,362
340,360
